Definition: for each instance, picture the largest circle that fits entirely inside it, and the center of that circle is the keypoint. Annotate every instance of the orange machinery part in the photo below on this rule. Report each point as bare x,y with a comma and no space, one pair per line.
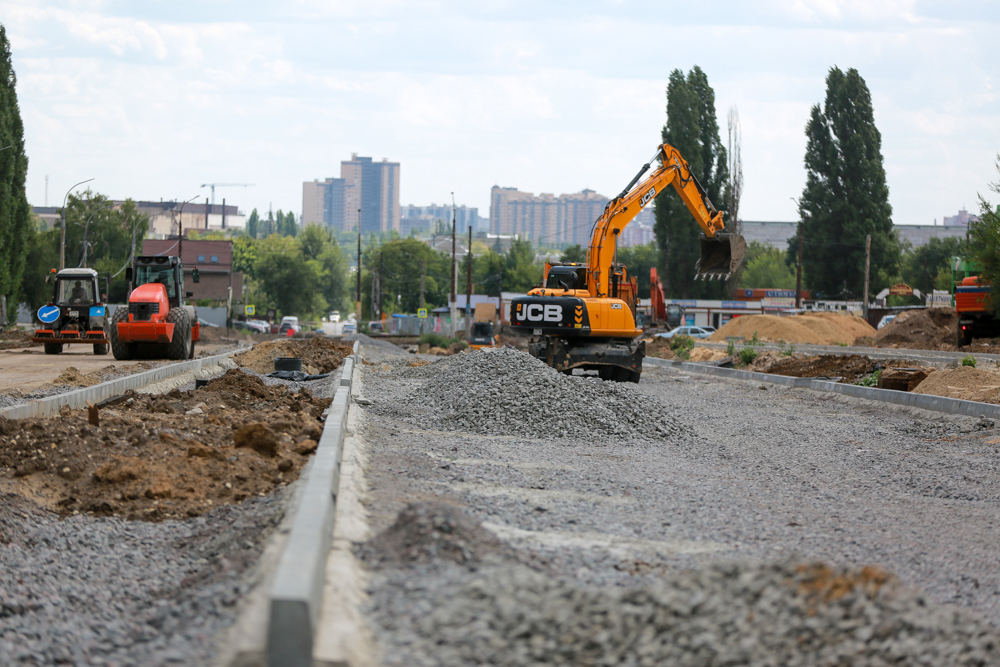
96,336
146,332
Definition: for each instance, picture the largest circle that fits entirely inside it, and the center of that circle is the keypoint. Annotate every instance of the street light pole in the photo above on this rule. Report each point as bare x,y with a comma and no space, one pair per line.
62,241
86,227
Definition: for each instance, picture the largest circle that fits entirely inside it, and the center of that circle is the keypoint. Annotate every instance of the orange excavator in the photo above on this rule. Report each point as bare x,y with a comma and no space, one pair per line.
583,316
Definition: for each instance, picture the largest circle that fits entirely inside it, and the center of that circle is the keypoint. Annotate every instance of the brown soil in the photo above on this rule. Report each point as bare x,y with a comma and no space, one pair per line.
930,329
72,377
659,348
964,382
811,329
164,457
318,355
430,530
15,338
851,367
707,354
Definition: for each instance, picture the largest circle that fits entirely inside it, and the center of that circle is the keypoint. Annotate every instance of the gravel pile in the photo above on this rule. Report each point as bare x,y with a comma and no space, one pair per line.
91,591
503,391
383,346
784,613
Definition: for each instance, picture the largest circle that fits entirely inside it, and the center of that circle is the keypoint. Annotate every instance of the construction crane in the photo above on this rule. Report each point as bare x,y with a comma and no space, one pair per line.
224,185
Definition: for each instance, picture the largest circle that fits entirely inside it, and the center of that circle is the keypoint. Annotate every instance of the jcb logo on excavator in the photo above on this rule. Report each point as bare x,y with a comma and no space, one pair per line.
646,197
536,312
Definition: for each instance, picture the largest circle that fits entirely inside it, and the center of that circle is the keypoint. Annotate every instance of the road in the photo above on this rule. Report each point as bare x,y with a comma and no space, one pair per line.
756,473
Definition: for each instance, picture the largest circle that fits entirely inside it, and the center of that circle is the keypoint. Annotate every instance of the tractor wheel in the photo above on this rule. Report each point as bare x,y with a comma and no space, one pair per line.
53,348
180,345
122,350
101,349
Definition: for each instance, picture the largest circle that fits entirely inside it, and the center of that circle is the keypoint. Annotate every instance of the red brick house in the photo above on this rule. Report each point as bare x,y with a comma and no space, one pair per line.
214,261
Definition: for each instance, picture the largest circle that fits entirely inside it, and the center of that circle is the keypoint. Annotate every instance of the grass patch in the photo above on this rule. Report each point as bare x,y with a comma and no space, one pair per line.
440,340
969,360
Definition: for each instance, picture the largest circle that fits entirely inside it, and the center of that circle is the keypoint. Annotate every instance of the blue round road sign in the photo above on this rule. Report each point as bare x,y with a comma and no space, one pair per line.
48,314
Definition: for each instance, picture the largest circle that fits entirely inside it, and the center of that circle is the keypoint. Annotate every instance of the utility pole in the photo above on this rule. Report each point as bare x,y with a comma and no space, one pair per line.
381,292
206,213
453,304
223,212
423,274
868,262
798,273
468,287
357,305
62,242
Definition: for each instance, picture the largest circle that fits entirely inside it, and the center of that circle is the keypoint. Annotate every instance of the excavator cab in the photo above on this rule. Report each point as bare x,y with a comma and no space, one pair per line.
721,255
566,276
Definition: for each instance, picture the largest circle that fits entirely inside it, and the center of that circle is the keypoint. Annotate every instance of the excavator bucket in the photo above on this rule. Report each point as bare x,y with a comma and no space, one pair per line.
721,255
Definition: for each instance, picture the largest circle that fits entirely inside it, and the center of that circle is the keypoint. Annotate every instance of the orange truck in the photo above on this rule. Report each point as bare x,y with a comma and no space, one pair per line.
972,305
157,322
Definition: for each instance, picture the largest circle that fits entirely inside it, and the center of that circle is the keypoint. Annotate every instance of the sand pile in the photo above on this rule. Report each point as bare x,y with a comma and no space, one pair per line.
964,382
707,354
930,329
659,348
811,329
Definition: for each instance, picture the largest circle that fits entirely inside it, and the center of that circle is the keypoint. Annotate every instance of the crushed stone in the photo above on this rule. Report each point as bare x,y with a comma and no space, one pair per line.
789,612
502,391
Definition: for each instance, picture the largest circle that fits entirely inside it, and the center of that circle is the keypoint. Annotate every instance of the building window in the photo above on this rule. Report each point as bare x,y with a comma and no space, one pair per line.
201,258
215,258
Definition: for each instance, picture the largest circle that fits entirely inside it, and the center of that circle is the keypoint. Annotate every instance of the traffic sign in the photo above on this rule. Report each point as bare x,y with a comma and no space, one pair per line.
421,312
249,310
48,314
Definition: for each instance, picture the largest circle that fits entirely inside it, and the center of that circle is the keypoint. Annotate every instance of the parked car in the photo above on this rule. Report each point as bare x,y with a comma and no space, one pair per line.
335,316
710,330
349,328
375,326
885,320
693,332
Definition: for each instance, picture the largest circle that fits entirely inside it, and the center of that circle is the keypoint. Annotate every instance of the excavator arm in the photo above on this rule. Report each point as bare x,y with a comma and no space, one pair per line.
721,253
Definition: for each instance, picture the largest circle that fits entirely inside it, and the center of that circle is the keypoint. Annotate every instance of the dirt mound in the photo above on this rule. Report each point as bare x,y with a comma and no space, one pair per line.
965,382
163,457
707,354
930,329
318,355
851,367
811,329
426,531
15,338
659,348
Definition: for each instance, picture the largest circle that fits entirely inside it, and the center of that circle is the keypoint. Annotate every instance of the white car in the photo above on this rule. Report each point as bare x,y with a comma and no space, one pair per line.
335,316
693,332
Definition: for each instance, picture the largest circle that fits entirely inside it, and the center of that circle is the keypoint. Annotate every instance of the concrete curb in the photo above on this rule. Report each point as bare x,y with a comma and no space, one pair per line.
952,406
931,356
46,407
296,594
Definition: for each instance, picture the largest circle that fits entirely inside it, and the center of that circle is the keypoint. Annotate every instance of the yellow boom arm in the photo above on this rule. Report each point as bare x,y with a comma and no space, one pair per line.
673,170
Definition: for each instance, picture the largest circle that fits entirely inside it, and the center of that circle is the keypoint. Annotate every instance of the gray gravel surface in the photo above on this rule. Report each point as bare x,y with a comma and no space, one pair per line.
87,591
754,474
375,345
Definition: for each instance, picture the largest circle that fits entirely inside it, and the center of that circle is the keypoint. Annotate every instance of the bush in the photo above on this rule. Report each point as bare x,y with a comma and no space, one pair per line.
440,340
754,340
789,352
747,355
682,346
731,349
870,380
969,360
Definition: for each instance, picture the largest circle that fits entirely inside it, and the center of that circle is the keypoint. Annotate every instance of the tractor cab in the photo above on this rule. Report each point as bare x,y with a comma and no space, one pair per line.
161,270
76,313
482,335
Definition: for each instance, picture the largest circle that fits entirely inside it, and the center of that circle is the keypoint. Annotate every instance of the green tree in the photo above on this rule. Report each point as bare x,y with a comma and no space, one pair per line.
252,222
291,226
521,272
765,268
16,225
984,243
639,260
845,196
245,255
313,239
334,277
42,255
693,129
922,265
574,253
288,279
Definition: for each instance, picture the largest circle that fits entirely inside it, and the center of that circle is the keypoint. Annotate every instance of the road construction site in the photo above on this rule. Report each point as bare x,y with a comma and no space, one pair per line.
490,510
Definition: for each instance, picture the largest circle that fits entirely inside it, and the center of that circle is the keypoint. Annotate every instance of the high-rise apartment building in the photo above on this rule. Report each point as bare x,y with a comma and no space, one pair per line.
424,218
545,218
366,190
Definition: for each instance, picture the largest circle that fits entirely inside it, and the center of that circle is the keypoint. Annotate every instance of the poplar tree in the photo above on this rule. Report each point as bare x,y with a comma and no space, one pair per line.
845,197
15,214
693,129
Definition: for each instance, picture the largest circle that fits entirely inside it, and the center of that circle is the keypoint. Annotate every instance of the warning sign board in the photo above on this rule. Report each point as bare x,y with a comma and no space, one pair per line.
421,312
249,310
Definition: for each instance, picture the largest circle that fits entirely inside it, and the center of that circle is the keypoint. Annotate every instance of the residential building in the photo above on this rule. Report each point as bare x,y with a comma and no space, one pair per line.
365,188
545,218
961,220
167,218
424,218
214,261
777,234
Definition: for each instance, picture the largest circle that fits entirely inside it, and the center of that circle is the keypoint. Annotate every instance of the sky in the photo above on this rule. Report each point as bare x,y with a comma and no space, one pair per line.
153,99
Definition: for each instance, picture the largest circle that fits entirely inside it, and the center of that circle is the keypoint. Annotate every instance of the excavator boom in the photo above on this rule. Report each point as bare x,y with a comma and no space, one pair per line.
721,252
